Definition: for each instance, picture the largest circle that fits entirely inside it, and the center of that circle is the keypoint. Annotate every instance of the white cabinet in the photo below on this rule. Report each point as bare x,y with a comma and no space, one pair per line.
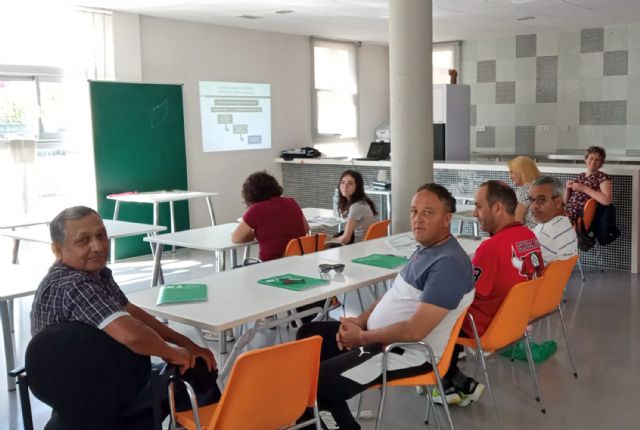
452,107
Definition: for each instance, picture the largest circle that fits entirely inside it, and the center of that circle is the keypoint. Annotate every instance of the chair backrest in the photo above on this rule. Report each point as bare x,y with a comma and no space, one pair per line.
270,388
510,322
555,278
589,212
309,245
377,230
445,358
88,378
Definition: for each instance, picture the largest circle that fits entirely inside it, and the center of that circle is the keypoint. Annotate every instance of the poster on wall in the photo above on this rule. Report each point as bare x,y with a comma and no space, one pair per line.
235,116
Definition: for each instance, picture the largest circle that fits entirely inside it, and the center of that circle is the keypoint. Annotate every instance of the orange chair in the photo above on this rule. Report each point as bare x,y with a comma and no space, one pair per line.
549,296
507,327
305,245
588,213
431,378
268,389
377,230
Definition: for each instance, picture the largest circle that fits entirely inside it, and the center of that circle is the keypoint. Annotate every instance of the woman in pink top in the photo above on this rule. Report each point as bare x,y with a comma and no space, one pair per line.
270,219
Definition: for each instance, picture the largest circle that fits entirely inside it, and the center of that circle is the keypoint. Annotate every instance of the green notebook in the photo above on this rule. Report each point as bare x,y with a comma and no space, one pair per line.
292,282
387,261
181,293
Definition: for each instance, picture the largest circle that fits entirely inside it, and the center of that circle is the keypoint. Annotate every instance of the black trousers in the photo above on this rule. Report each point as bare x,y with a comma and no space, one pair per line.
343,374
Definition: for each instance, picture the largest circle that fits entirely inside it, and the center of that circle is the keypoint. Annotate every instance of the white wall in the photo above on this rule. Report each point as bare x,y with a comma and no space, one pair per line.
174,51
373,75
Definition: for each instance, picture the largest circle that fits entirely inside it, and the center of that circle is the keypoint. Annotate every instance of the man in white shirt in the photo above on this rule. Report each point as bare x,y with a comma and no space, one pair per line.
554,230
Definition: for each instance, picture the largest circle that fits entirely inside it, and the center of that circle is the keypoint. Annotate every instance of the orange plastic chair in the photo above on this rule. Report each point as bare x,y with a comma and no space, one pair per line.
268,389
305,245
377,230
549,297
508,326
431,378
588,213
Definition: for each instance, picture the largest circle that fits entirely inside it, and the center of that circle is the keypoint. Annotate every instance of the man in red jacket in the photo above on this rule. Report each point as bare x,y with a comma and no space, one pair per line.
511,255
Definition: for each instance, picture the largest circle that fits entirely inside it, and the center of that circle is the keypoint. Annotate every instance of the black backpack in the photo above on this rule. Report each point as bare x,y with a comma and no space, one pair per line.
604,224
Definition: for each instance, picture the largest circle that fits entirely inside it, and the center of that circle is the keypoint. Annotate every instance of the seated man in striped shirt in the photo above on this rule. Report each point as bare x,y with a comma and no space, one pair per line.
554,231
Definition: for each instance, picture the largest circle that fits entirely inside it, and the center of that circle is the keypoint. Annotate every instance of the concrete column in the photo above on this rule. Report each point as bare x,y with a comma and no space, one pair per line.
411,101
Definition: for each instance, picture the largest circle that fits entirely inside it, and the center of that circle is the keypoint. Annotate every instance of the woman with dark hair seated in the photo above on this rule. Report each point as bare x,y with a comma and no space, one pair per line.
593,184
270,219
355,206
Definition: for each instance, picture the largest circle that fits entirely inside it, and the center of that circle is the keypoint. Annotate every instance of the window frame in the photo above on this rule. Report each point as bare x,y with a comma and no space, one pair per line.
453,46
319,138
35,74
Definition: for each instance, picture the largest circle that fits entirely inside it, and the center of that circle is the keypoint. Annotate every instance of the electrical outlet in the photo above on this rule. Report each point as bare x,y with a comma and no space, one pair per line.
479,127
543,128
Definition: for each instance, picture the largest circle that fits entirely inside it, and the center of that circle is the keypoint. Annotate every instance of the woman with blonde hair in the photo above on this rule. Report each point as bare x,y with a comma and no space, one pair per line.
522,171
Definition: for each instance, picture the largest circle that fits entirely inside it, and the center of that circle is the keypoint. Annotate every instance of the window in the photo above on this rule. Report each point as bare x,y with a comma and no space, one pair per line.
31,107
335,91
445,56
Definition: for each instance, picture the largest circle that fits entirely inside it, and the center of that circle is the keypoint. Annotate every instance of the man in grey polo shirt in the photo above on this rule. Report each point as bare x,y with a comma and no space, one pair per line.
79,287
426,298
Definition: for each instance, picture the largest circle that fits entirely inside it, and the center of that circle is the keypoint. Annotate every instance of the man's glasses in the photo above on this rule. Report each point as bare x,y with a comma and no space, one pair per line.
326,268
540,200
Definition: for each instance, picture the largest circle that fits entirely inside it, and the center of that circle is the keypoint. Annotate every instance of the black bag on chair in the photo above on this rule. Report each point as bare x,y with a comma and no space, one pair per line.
604,224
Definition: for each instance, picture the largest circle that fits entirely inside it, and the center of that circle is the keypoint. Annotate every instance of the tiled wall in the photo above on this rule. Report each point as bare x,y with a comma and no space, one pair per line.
312,185
555,92
616,255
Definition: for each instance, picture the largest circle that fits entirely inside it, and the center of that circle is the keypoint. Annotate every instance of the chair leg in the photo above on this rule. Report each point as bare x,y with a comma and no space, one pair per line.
431,405
316,416
566,339
383,393
444,401
360,299
534,377
359,406
25,403
581,273
488,382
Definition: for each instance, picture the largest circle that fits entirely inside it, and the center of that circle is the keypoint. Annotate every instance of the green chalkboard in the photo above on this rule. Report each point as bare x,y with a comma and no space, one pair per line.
138,139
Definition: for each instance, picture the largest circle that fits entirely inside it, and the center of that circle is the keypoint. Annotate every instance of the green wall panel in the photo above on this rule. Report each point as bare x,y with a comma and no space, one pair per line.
139,145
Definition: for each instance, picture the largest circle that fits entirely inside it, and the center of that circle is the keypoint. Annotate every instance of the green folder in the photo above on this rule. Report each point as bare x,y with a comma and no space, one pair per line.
181,293
292,282
387,261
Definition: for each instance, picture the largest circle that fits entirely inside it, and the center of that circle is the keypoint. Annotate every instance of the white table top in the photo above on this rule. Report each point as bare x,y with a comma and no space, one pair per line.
320,217
464,211
19,281
23,222
369,190
115,229
213,238
159,196
236,298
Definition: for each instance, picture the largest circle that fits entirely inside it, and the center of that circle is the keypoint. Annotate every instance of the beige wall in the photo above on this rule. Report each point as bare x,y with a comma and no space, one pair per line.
174,51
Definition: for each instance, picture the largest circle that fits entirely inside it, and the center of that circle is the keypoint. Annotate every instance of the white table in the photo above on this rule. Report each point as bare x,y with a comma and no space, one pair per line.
115,230
464,214
320,217
216,238
236,298
17,281
157,197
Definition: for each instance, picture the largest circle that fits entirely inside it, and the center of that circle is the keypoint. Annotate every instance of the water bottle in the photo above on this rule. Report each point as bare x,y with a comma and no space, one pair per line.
336,196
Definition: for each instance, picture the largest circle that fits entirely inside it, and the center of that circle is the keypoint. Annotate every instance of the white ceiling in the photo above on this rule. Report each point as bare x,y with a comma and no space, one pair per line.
366,20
